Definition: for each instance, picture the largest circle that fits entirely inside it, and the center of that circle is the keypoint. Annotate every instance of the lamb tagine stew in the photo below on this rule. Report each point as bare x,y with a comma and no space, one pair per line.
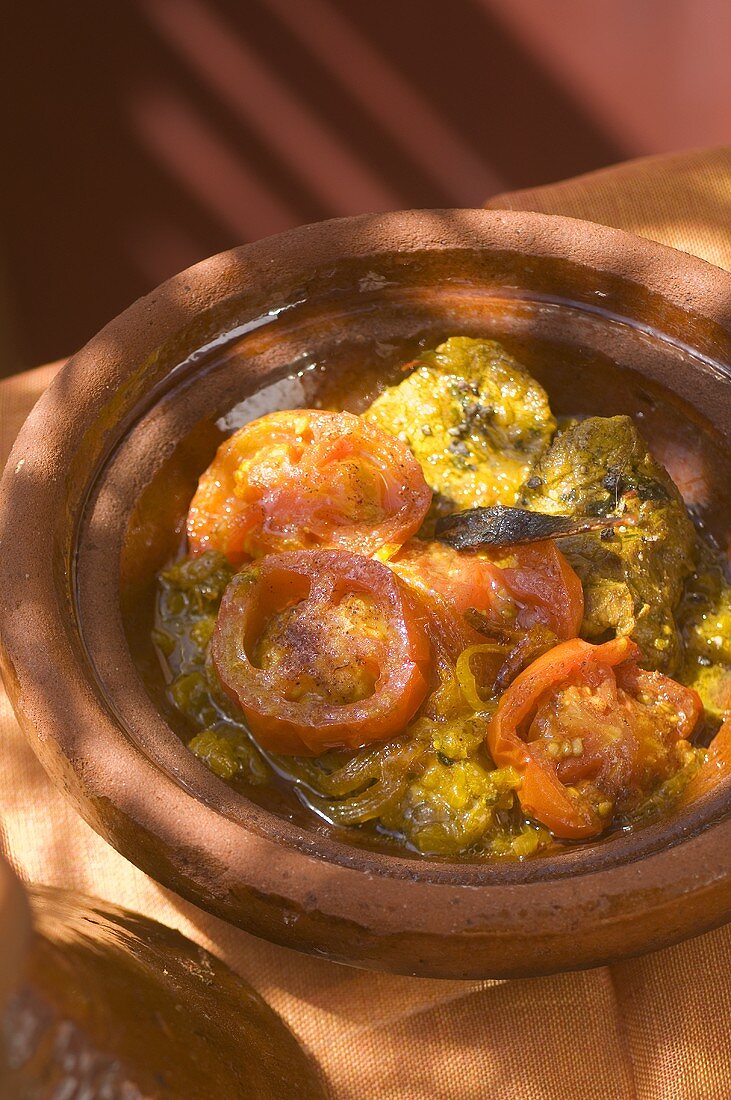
452,623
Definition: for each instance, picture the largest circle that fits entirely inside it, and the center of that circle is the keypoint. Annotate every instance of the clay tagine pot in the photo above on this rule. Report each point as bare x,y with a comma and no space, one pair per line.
106,1003
92,499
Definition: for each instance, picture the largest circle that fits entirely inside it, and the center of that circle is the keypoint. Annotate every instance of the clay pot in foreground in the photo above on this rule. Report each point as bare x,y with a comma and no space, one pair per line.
621,324
109,1003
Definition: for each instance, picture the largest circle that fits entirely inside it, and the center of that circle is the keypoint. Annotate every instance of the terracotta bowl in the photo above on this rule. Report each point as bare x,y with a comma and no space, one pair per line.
99,478
106,1003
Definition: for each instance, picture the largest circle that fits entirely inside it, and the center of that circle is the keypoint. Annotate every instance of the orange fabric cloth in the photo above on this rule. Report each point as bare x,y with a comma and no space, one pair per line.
683,200
650,1029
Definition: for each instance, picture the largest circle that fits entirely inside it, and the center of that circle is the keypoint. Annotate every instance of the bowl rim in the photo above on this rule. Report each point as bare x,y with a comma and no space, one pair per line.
246,874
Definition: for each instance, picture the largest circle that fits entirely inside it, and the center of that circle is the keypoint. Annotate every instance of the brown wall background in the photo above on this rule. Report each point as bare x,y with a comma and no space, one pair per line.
141,135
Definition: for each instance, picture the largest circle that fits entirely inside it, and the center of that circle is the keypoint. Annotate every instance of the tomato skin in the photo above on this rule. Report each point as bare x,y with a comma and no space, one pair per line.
537,586
315,583
547,589
604,693
307,479
452,582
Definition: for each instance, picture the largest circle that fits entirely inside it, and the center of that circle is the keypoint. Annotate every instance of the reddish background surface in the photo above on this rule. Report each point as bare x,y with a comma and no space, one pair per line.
143,135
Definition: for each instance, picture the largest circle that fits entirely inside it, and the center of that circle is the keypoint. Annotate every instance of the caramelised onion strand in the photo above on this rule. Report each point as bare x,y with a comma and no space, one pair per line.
346,801
466,677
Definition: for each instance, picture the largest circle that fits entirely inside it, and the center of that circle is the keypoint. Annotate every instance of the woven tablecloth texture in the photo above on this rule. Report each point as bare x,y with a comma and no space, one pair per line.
655,1028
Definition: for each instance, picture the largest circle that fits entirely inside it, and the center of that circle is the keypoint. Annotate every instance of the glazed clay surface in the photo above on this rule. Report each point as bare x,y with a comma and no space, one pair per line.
116,415
109,1003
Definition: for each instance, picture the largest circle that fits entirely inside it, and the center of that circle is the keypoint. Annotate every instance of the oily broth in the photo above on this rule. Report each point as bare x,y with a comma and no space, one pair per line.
579,382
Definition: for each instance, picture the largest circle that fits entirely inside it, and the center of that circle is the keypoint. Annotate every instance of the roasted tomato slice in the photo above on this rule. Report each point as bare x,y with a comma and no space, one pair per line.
307,479
532,585
545,587
452,583
591,733
321,649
